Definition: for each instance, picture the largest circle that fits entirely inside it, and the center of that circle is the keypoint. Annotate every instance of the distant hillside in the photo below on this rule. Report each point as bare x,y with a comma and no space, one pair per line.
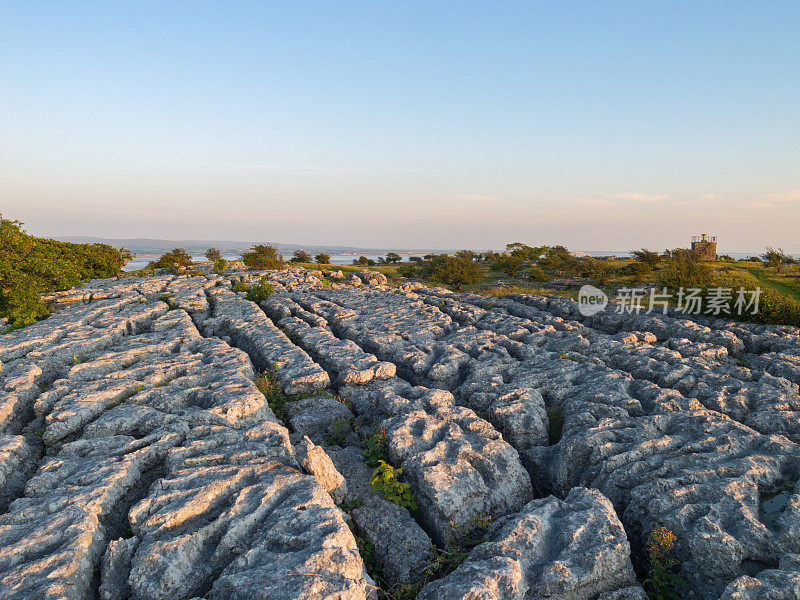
156,247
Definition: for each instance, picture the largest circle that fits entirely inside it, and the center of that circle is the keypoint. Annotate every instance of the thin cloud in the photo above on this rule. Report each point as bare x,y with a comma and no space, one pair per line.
779,196
637,197
478,198
324,169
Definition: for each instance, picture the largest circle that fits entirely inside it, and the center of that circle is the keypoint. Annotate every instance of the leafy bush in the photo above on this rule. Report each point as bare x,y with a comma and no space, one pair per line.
663,575
451,270
177,258
30,266
219,266
260,291
684,268
637,270
393,257
557,259
361,260
524,251
322,259
537,275
776,258
213,254
648,257
507,263
385,478
376,449
600,269
263,258
300,256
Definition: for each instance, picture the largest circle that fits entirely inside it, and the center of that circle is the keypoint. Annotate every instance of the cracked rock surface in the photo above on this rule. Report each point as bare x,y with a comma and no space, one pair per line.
140,460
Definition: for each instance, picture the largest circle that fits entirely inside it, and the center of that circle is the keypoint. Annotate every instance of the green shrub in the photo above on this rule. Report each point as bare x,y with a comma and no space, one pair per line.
30,266
648,257
536,274
177,258
213,254
262,258
300,256
684,268
260,291
509,264
322,259
451,270
375,449
219,266
385,478
557,259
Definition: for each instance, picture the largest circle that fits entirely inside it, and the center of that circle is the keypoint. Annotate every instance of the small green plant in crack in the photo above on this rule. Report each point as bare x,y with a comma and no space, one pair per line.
376,449
663,578
350,505
40,433
276,398
128,533
260,291
239,286
385,478
76,360
338,432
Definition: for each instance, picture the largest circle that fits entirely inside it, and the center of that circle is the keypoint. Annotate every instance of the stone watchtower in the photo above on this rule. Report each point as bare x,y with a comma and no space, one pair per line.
706,245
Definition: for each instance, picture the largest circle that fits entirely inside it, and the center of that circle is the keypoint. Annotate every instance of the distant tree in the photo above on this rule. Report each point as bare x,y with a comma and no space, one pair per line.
684,268
393,257
648,257
361,260
466,255
262,257
430,256
176,258
213,254
559,260
508,264
776,258
524,251
322,259
452,270
370,262
300,256
415,259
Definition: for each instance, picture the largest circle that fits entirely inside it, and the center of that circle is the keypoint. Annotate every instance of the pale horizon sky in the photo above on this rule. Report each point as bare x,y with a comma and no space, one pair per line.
597,125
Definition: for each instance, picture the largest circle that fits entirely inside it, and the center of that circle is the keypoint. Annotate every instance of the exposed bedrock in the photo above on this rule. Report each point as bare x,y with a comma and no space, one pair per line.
139,460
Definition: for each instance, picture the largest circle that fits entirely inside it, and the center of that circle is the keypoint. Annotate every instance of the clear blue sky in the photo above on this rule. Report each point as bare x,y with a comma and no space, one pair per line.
601,125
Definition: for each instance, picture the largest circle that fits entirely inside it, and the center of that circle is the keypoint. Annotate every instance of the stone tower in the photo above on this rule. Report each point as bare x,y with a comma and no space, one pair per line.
706,245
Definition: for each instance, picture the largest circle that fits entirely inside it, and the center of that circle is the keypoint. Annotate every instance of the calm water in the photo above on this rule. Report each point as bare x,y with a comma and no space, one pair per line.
140,262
